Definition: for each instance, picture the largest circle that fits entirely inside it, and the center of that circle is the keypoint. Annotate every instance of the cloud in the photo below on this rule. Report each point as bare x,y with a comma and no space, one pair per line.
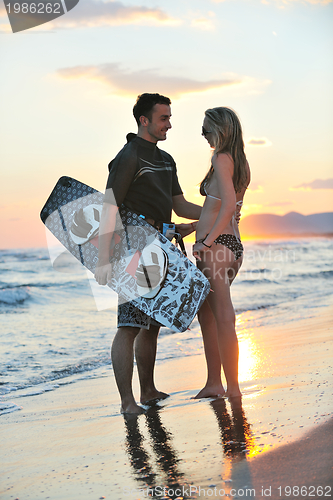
5,28
316,184
203,23
258,141
279,204
284,3
255,188
251,207
93,13
130,83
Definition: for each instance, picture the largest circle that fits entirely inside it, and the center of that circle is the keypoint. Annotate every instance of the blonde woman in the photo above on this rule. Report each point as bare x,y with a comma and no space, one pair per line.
218,248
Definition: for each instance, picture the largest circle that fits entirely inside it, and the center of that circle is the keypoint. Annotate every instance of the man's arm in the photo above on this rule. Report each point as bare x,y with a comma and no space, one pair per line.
184,208
122,170
106,229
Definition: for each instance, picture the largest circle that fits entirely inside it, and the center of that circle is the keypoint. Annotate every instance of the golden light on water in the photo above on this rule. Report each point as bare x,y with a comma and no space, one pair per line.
248,360
256,450
249,356
254,364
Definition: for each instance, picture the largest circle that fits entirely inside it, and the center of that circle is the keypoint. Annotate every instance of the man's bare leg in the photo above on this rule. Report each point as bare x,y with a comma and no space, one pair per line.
122,362
145,355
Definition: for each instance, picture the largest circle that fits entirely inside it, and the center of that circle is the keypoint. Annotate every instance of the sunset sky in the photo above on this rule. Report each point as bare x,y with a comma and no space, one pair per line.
68,89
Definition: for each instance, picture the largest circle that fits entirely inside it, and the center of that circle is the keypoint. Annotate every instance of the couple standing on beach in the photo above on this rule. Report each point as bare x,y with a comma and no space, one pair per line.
144,178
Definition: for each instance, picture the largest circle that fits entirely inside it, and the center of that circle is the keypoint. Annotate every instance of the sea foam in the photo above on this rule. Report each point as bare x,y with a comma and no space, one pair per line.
14,296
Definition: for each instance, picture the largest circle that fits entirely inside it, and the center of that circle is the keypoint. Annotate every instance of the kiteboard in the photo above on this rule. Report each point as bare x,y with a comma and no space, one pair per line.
147,269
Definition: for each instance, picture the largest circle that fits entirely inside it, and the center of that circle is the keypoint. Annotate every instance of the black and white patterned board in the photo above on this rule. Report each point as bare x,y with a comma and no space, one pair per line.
185,287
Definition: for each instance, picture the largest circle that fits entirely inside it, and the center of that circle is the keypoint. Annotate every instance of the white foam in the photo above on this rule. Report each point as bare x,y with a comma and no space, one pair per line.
5,390
48,388
8,408
14,296
41,390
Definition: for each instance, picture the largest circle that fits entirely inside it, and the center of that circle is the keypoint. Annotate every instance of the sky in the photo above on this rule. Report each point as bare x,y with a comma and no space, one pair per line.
68,88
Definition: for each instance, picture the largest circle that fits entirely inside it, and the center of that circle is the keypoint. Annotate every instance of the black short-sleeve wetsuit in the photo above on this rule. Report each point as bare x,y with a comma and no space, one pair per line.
144,178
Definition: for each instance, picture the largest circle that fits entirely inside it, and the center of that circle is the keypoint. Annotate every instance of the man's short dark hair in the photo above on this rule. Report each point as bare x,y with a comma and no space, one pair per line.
145,103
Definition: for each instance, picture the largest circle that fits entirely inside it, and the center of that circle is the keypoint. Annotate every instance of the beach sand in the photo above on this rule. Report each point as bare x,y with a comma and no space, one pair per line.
73,443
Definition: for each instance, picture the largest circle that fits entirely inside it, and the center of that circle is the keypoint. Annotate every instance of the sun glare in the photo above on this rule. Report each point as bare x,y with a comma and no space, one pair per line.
249,358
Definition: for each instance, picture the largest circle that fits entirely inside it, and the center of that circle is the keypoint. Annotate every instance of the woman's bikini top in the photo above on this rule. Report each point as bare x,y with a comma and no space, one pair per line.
238,203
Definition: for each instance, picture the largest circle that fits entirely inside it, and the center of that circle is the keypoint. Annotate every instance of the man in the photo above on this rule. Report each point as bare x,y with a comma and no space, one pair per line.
144,178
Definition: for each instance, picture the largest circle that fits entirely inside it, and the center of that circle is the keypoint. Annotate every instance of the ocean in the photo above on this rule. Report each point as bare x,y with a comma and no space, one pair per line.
57,324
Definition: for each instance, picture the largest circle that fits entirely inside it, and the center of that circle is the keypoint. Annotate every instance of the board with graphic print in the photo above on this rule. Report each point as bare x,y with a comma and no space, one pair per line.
148,271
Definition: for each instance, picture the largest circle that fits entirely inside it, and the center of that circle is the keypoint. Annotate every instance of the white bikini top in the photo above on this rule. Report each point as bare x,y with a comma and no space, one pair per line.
238,203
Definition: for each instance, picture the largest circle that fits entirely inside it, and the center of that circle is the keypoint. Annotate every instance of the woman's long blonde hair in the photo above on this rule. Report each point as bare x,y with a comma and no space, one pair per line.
227,136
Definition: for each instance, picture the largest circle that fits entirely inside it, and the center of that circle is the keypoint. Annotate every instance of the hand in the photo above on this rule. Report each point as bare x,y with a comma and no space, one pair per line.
103,273
197,249
186,229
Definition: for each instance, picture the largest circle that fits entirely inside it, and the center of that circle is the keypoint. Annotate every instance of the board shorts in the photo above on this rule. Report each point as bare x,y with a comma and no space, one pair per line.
129,315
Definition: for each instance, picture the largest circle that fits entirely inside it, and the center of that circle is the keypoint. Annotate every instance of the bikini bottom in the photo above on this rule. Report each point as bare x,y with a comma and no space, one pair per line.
230,241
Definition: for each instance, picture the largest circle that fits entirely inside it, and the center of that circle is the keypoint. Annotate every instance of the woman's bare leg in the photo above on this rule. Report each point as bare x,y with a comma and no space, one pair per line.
213,387
234,268
216,265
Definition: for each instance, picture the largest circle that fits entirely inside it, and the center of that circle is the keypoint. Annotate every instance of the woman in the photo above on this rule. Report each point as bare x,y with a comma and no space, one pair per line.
218,248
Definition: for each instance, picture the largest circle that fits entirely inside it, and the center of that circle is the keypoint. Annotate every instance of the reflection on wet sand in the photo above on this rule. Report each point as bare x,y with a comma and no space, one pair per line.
237,443
139,458
166,457
160,473
234,430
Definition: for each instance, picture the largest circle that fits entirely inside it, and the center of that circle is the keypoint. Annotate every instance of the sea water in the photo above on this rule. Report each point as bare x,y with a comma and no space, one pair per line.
57,324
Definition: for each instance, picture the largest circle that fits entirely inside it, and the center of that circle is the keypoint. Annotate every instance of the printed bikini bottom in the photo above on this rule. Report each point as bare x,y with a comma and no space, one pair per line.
230,241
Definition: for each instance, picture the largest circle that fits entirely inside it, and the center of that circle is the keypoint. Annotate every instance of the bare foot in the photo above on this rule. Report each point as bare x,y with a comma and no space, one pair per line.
210,392
152,397
132,408
233,394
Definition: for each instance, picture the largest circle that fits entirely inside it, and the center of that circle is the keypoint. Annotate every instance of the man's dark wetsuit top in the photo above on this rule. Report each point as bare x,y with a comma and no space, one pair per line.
144,178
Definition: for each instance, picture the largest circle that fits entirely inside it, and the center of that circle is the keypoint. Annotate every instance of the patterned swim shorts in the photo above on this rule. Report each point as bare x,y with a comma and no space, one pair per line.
129,315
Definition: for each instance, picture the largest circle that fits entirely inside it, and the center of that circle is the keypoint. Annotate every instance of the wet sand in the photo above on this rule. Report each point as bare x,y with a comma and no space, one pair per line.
73,443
